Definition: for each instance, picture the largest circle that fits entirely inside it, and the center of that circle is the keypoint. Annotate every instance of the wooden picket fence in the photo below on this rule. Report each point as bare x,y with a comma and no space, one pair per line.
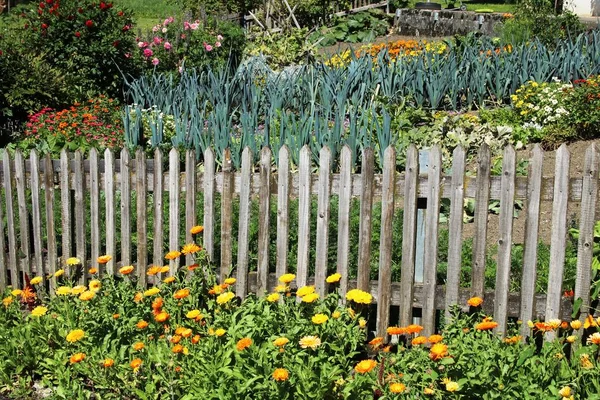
100,179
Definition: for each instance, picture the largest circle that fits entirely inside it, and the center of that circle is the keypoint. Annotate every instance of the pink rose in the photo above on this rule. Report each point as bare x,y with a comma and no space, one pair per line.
141,45
194,26
168,46
155,61
207,47
157,40
147,53
219,37
155,28
218,44
164,30
186,25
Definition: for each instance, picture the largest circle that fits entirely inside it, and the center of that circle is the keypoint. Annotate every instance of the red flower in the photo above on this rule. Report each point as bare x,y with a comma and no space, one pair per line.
89,23
77,34
42,5
116,43
120,13
80,10
103,5
49,1
126,28
1,53
44,26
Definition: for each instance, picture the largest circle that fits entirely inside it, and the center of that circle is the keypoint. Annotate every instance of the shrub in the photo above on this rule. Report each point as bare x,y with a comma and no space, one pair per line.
281,49
584,107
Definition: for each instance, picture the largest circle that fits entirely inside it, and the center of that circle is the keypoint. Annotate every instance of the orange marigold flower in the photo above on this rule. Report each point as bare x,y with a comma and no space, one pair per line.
154,270
172,255
542,326
419,340
395,330
576,324
136,363
161,317
93,271
77,358
138,346
186,333
142,324
157,303
433,339
365,366
243,344
190,248
438,351
414,329
486,325
138,297
126,270
397,387
376,342
594,338
280,342
104,259
176,339
177,349
108,362
196,229
475,301
181,294
281,374
169,279
193,267
116,316
196,339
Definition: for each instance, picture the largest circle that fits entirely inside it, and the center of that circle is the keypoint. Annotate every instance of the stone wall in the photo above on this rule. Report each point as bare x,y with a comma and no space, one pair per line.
413,22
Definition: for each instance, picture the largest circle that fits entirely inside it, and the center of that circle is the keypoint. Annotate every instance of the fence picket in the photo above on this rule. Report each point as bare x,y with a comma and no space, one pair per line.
263,219
322,245
303,216
558,236
4,267
141,210
36,213
505,239
283,209
455,229
173,208
20,184
94,208
125,208
226,215
431,244
482,199
158,185
409,228
244,219
109,209
15,271
344,196
365,221
534,186
585,243
209,203
50,225
384,288
65,202
190,199
79,187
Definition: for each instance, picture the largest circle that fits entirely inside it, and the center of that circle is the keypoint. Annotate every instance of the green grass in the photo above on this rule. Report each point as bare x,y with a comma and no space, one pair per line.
148,13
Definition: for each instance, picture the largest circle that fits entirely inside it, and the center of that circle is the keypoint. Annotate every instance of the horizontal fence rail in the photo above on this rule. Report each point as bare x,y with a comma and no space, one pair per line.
146,205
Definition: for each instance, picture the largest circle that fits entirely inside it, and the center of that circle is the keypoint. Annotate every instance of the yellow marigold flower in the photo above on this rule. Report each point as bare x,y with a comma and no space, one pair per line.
196,229
359,296
181,294
365,366
397,387
351,313
281,374
186,333
220,332
273,297
428,391
153,270
310,298
243,344
93,271
571,339
126,270
136,363
78,290
334,278
87,295
193,314
303,291
594,338
217,289
589,321
108,362
311,342
63,291
438,351
451,386
104,259
475,301
16,292
190,248
161,317
336,314
172,255
77,358
280,342
230,281
225,297
59,272
39,311
138,346
36,281
319,319
433,339
169,279
565,392
362,323
287,278
530,324
152,291
95,285
75,335
7,301
554,323
73,261
576,324
141,324
164,269
585,362
281,288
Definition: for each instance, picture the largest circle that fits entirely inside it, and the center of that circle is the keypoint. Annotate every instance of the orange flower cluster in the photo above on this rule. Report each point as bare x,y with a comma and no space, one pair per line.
409,330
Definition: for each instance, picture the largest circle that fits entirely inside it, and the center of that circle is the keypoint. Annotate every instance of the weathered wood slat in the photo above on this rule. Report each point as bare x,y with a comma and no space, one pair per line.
65,202
173,208
226,216
264,212
409,228
482,198
80,234
365,221
3,255
585,243
455,229
94,209
50,223
157,253
303,216
244,221
25,259
125,178
209,203
323,204
36,214
505,239
431,244
13,265
343,243
142,211
532,222
283,209
558,236
110,204
386,243
190,199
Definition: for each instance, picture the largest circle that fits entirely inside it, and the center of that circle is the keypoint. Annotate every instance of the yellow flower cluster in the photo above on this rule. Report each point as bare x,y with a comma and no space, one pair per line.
359,296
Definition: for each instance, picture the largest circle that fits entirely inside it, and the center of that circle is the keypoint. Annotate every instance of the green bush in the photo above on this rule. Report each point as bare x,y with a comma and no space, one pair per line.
281,49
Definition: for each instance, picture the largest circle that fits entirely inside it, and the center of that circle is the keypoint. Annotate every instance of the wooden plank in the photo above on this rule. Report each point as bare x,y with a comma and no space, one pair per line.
532,222
13,266
94,209
110,207
283,209
173,208
125,208
505,239
455,230
263,218
190,200
409,239
3,255
80,214
65,203
558,236
482,199
158,252
20,184
226,216
36,214
431,244
365,221
585,242
244,220
142,211
209,203
303,216
386,241
50,224
322,245
343,242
